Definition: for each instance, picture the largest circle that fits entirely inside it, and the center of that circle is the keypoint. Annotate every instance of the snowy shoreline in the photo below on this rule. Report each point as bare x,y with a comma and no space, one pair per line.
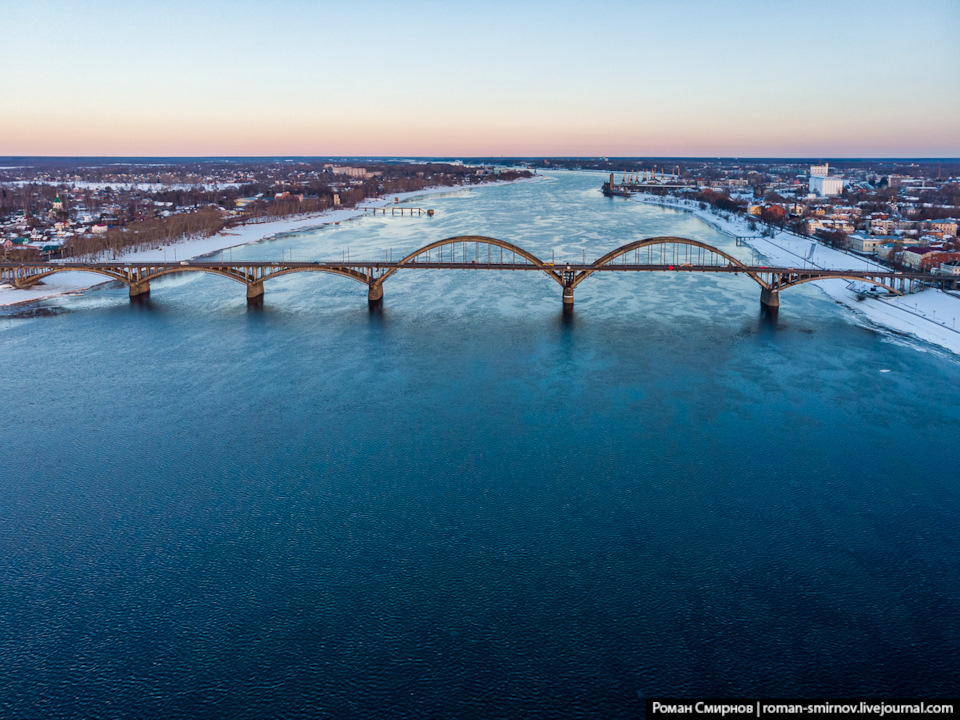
68,283
931,315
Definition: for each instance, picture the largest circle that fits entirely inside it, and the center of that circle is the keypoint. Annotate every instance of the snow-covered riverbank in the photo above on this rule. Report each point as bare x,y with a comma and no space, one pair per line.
931,315
72,282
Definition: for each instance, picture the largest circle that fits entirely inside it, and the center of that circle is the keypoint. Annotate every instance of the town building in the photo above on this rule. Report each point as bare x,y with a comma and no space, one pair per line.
944,227
821,183
915,256
866,245
951,267
826,186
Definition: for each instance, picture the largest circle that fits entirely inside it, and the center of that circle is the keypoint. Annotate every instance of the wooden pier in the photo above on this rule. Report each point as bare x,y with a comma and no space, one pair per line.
401,211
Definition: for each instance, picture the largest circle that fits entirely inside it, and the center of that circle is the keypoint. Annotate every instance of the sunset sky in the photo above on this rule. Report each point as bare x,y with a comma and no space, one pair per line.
291,77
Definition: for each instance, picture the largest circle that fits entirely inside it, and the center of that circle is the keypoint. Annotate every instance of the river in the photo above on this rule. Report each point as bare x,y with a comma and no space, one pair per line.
468,504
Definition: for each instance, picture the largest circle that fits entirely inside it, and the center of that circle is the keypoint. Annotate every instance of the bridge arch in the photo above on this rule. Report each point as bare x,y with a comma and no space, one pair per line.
478,239
178,269
246,276
31,280
663,240
132,280
345,272
243,278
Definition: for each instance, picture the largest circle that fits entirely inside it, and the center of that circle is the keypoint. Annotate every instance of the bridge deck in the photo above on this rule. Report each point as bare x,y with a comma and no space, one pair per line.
416,264
463,252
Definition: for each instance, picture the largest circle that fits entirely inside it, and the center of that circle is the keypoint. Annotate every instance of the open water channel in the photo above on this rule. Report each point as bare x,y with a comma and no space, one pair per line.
467,505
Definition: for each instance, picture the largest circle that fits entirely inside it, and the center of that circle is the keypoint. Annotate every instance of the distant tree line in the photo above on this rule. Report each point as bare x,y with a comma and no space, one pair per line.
148,234
135,231
719,200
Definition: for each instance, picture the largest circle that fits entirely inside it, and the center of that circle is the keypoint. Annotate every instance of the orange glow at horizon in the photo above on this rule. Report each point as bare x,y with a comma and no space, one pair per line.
569,79
146,136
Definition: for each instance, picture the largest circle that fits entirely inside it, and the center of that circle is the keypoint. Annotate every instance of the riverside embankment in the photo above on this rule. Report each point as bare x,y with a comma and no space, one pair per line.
931,315
192,248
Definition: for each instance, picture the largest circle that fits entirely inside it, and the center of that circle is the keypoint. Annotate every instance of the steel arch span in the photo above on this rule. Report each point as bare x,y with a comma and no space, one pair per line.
663,240
477,240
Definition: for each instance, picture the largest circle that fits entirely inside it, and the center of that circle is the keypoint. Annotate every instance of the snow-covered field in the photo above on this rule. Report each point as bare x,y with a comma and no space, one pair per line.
71,282
930,315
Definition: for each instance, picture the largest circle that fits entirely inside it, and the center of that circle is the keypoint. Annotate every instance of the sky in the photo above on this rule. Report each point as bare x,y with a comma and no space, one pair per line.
742,78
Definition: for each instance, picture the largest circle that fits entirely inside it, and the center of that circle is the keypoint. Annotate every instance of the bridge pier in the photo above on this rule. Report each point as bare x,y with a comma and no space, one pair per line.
769,299
375,294
140,288
255,293
568,297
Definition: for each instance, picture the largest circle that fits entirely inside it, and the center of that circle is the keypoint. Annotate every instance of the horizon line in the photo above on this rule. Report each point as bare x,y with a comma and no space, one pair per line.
485,157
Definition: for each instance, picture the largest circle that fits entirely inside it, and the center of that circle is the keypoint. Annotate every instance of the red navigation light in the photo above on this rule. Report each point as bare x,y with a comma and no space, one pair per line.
671,267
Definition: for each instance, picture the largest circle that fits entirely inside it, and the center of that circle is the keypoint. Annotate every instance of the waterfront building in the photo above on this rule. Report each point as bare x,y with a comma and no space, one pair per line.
914,256
866,245
951,267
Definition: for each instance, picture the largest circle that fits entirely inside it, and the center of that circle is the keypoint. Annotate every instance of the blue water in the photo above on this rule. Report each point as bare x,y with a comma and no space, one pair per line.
468,505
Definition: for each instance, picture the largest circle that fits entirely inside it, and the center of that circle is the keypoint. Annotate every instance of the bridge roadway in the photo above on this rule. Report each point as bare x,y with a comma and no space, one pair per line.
663,254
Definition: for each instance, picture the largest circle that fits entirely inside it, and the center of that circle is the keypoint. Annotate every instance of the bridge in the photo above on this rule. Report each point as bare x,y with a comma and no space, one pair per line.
401,210
476,252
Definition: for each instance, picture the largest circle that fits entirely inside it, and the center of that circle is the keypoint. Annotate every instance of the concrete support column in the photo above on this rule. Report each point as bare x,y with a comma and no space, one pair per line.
255,292
140,288
568,296
769,298
375,293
